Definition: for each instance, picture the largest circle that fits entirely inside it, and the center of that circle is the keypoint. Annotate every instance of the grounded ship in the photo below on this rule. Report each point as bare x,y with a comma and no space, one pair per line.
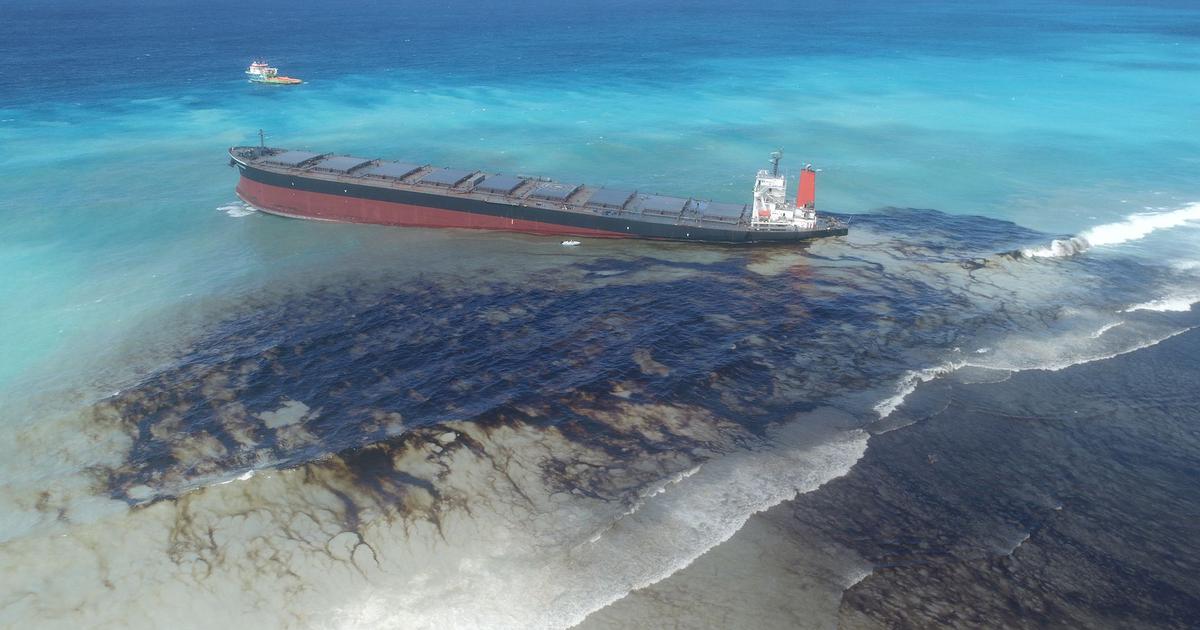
329,187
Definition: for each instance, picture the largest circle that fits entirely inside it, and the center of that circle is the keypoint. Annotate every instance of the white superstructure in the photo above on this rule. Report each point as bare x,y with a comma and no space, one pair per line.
259,70
772,209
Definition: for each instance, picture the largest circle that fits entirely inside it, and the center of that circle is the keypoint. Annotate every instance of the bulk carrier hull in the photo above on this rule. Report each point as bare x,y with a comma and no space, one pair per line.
328,187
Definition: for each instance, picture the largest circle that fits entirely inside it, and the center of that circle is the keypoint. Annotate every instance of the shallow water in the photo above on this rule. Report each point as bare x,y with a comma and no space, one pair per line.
1051,499
215,417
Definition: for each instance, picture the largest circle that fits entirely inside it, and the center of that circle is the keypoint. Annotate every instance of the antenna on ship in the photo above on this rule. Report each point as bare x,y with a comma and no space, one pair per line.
262,139
775,157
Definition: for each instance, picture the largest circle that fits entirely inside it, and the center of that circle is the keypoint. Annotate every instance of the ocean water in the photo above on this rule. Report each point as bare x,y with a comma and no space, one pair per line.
214,417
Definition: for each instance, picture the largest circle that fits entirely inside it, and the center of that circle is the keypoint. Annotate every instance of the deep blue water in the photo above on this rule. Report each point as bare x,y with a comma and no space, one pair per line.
147,49
408,426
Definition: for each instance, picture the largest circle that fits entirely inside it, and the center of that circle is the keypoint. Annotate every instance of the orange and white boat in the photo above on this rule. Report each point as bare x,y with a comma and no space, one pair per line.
260,72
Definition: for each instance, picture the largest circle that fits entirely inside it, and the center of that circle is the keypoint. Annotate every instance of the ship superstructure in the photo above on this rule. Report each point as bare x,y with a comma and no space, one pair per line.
332,187
771,206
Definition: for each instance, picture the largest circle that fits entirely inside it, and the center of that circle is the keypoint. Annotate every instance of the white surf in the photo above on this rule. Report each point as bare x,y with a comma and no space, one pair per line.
1134,227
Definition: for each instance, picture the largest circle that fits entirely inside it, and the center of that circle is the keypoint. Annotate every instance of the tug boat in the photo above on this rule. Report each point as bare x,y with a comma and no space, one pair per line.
260,72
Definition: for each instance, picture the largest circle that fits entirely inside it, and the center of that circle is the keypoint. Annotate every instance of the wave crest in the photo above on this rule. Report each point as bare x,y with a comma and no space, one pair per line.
1180,303
1134,227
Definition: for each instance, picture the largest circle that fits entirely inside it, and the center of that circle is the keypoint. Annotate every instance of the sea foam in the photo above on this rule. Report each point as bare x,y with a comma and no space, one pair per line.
237,209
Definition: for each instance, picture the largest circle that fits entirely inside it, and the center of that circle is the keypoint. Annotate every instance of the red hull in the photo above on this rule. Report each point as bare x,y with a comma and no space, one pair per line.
314,205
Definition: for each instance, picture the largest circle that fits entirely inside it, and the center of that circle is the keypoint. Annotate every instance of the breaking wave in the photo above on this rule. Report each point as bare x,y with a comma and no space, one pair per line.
1134,227
1048,357
1080,357
909,382
1178,303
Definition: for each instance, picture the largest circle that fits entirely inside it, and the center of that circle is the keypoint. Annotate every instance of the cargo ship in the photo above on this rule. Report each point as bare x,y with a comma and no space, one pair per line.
333,187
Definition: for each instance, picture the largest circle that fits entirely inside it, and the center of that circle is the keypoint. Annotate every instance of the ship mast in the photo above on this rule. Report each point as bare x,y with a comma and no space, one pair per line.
775,157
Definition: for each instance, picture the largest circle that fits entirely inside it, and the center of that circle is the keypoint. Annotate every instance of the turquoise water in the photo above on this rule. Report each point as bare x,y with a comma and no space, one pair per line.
136,286
1057,117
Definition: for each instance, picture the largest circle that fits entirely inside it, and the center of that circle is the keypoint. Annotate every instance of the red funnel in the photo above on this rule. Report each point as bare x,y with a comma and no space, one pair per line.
806,193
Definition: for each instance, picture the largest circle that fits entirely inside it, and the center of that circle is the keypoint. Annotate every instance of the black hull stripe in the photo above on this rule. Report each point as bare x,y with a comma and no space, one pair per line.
617,224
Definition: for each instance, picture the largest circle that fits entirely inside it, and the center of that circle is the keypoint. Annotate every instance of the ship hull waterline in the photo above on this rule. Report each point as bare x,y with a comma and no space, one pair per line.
318,199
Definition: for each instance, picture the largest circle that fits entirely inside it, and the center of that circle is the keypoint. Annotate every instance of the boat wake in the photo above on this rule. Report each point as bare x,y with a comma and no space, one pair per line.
1133,228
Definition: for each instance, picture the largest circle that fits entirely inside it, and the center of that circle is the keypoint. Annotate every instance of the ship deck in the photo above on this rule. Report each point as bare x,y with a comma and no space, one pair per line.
515,190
